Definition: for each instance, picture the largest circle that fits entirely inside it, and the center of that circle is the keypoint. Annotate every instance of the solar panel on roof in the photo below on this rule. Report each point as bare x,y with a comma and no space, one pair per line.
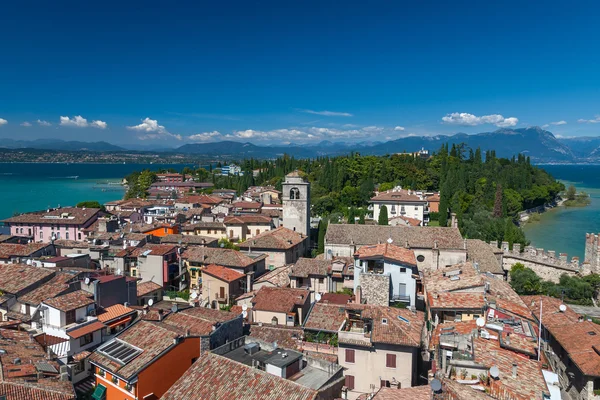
45,367
120,351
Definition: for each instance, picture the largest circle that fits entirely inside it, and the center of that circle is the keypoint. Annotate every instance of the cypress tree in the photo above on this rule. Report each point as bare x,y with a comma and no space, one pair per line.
498,202
321,239
383,216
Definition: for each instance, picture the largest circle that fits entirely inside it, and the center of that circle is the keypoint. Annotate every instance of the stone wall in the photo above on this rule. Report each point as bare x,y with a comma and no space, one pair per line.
375,289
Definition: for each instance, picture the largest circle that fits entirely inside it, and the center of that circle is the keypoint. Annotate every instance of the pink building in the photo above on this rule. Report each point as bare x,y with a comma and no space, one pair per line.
68,223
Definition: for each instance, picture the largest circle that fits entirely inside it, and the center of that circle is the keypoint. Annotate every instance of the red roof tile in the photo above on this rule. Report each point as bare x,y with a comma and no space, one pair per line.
84,330
388,252
222,273
115,311
278,299
70,301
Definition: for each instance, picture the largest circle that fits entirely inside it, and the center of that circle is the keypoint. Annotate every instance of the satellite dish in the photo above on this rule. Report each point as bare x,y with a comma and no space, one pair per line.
494,372
275,345
244,314
318,297
119,271
390,241
436,385
29,262
122,235
244,307
194,295
53,237
150,302
480,322
562,308
87,280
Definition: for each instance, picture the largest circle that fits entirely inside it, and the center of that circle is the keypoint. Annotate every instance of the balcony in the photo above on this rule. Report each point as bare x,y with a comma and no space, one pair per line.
354,337
401,298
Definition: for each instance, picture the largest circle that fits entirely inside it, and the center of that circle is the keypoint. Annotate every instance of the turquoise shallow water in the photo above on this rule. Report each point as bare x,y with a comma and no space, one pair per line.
563,229
29,187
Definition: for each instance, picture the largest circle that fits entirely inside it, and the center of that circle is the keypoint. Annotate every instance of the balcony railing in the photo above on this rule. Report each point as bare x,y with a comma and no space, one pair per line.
401,298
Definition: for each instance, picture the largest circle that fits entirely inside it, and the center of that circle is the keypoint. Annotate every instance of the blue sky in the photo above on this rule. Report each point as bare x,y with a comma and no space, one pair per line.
170,73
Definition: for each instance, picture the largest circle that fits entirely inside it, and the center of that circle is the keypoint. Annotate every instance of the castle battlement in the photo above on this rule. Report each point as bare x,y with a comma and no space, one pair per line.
540,256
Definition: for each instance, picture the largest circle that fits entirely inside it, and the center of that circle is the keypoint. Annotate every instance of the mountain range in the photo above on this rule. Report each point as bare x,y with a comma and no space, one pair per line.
537,143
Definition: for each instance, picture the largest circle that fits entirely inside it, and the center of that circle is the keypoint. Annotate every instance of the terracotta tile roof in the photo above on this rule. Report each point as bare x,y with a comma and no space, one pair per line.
451,328
199,320
396,330
8,250
48,340
223,273
276,239
413,393
335,298
397,196
579,338
519,343
310,266
247,205
325,317
388,252
457,391
482,253
506,298
286,337
225,257
74,216
200,199
70,301
71,244
143,288
17,344
455,301
445,279
54,287
247,219
225,379
204,225
407,220
276,299
278,276
188,239
17,277
150,337
84,330
529,382
114,312
417,236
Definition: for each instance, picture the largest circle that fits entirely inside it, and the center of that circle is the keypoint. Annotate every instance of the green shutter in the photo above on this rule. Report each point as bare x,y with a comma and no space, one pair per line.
99,393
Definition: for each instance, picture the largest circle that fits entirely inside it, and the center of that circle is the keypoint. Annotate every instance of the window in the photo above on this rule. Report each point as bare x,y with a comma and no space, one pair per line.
321,281
402,269
29,232
86,339
67,235
390,360
133,272
420,258
294,194
416,208
274,321
78,367
383,383
258,232
79,236
349,382
290,318
350,356
70,317
41,234
384,321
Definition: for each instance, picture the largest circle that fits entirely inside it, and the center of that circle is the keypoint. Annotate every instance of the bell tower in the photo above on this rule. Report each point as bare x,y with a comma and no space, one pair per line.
296,203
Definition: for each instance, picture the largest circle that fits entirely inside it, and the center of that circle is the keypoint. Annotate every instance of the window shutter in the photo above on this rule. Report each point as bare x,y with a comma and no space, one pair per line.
349,355
390,360
350,382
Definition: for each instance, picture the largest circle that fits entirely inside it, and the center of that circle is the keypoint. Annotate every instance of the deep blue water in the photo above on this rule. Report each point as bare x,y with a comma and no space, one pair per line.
563,229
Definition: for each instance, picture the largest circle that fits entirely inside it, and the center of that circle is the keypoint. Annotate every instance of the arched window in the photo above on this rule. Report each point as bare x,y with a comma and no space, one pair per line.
294,193
274,321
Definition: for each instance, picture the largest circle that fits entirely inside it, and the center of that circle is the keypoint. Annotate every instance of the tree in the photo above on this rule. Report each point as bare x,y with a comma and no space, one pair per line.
443,211
321,238
498,202
90,204
383,216
361,219
524,281
571,193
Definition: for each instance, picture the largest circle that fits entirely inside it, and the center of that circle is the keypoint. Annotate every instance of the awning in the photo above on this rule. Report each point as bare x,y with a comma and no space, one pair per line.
99,393
119,322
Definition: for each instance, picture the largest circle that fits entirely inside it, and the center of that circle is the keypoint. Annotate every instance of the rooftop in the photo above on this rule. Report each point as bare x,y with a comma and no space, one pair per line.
278,276
225,379
8,250
54,287
247,219
325,317
426,237
456,301
58,216
277,239
452,278
310,266
387,251
148,250
276,299
247,205
223,273
143,288
70,301
400,195
413,393
286,337
224,257
17,277
188,239
199,320
482,253
114,312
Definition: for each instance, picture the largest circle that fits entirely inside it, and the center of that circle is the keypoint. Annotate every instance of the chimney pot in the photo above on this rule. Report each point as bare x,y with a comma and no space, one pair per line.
514,370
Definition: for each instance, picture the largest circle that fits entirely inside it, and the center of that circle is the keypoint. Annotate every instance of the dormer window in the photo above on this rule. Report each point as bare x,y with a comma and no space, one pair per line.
384,321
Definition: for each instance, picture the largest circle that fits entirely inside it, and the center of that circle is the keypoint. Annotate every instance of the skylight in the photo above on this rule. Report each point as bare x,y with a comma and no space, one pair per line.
120,351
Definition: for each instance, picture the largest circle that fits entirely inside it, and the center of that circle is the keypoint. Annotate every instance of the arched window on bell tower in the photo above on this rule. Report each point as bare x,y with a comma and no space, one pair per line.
294,193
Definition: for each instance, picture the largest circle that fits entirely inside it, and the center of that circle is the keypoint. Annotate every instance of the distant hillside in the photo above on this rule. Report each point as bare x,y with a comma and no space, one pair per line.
56,144
237,149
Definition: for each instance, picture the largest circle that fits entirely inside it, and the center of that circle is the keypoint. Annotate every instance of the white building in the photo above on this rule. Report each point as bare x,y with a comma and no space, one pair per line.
296,203
401,203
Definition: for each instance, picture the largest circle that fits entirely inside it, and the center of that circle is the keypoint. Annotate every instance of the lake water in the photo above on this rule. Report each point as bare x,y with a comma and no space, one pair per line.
30,187
563,229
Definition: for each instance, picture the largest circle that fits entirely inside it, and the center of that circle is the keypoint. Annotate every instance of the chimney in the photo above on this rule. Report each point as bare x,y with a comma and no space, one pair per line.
249,281
101,224
514,370
453,220
160,314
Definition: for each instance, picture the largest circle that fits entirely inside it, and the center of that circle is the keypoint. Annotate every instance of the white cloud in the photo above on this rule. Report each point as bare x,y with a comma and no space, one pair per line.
596,120
327,113
204,136
3,121
43,123
467,119
399,128
99,124
26,124
153,130
562,122
373,129
78,122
